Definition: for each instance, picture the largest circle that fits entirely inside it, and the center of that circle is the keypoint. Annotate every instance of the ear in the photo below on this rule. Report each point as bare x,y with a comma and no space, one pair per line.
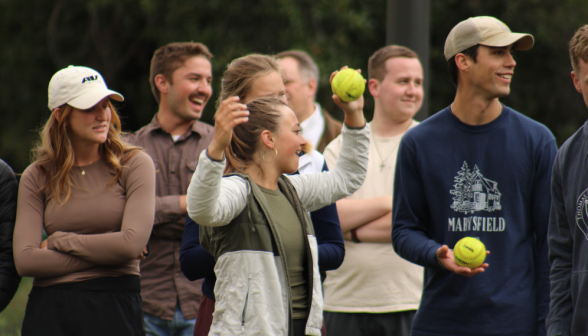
374,87
576,81
57,113
162,83
463,62
312,86
267,139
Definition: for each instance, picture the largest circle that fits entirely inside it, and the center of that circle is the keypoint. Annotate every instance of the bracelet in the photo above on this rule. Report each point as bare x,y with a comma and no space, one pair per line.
354,236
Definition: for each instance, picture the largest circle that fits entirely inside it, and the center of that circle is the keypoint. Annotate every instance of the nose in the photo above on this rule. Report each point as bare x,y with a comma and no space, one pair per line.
510,62
302,140
101,112
410,89
205,88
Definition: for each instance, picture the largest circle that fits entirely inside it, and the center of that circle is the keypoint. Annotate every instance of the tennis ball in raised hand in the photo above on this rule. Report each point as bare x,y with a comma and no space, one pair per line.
348,84
469,252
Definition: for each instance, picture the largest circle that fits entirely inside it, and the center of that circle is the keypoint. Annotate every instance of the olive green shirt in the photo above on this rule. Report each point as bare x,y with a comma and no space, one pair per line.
293,241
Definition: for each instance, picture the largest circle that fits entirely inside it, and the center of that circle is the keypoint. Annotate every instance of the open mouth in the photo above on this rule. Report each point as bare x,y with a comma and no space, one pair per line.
508,77
198,101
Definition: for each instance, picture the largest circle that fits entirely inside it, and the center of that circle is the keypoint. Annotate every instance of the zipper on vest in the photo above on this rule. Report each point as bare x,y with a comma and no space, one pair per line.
245,305
250,221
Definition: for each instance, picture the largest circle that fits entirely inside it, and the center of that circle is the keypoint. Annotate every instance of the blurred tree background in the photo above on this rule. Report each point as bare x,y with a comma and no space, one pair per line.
118,38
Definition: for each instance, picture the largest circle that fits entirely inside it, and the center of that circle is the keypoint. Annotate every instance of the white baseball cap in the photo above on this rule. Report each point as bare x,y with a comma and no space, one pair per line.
79,87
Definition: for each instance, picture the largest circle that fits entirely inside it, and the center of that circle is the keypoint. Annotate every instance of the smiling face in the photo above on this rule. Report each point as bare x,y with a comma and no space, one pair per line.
492,72
90,126
266,86
191,88
400,94
580,79
288,142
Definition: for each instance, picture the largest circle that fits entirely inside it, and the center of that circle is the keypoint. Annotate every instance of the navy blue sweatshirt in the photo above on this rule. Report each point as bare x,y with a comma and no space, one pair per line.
196,263
490,182
568,238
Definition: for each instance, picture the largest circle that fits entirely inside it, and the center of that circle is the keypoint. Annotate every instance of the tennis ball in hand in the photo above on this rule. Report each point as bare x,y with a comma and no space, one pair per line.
348,84
469,252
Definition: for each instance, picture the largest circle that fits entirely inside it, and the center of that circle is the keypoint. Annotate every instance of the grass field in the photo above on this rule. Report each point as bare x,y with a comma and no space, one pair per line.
11,317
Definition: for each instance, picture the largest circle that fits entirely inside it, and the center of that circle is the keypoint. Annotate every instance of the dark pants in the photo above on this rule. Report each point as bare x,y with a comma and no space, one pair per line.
109,306
369,324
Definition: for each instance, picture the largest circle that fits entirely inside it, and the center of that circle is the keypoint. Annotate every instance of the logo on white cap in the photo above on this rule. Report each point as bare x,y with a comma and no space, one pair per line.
79,87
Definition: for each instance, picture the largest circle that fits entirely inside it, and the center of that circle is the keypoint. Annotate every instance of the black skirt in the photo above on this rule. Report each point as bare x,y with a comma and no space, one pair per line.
109,306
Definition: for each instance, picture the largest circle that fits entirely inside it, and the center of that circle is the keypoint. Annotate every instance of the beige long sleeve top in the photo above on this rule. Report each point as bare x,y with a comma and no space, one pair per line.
98,232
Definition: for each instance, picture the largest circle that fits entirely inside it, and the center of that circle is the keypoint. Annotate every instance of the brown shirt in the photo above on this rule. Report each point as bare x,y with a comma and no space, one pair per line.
98,232
162,281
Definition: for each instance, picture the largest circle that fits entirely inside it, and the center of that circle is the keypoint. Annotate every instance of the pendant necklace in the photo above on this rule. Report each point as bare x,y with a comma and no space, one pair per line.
382,165
83,171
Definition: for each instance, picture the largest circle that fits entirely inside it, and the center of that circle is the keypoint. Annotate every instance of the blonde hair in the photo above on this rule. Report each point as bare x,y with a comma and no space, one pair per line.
579,47
263,115
55,156
242,72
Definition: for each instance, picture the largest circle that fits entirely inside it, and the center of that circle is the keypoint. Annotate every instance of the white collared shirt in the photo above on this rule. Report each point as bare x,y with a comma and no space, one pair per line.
314,126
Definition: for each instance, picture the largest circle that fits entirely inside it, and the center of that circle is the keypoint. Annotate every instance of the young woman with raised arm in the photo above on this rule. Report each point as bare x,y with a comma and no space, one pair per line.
255,220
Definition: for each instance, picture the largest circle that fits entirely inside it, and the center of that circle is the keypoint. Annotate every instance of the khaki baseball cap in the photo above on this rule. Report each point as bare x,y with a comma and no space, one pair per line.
79,87
484,30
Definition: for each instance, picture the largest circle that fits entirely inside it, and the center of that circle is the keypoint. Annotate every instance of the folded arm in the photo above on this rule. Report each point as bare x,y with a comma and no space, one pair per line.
118,247
29,258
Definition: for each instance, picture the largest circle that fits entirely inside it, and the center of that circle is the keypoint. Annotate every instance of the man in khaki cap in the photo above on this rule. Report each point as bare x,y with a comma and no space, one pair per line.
477,169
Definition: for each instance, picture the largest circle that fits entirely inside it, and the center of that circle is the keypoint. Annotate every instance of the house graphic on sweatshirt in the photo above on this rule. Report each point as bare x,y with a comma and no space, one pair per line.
473,192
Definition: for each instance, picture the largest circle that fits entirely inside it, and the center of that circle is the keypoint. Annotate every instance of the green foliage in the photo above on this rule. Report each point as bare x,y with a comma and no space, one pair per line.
11,317
118,38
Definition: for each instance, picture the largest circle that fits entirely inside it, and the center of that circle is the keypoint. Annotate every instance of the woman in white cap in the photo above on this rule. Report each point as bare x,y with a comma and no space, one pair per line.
94,196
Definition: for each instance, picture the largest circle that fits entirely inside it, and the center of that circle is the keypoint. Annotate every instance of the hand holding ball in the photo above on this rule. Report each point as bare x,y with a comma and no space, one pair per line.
469,252
348,84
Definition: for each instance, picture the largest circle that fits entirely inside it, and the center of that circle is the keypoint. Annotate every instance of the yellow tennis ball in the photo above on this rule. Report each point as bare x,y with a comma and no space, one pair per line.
469,252
348,84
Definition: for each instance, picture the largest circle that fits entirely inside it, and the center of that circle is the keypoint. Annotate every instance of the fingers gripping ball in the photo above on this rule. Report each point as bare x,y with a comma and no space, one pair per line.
469,252
348,84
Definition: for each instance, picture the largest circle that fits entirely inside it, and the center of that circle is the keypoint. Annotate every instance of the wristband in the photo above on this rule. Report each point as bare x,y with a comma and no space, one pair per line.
354,236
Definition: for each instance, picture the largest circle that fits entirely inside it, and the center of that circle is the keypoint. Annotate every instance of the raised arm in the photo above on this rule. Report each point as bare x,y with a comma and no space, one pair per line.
213,200
29,258
118,247
318,190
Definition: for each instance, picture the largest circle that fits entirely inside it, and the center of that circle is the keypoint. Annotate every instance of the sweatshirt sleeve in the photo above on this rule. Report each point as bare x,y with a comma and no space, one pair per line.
214,200
321,189
410,213
9,278
195,262
329,237
29,258
541,220
118,247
